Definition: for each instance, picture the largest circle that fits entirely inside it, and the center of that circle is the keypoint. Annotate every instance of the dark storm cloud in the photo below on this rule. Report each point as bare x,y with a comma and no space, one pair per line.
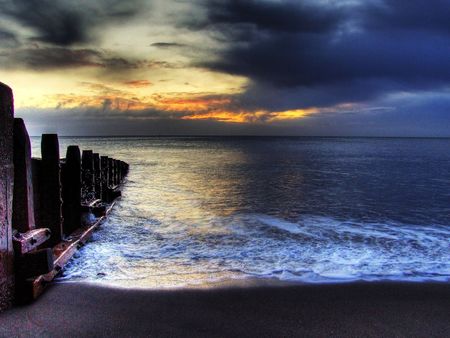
8,39
285,16
167,45
65,22
275,98
311,60
354,51
415,15
53,58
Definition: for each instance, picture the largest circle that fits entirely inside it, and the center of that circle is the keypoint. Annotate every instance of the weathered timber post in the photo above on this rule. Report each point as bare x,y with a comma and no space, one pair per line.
125,169
50,186
88,185
97,176
26,237
121,171
113,178
23,206
117,171
71,190
119,174
105,176
36,164
110,172
6,196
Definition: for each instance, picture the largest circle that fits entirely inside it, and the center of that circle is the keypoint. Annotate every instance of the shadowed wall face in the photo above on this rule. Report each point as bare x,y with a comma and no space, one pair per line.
6,191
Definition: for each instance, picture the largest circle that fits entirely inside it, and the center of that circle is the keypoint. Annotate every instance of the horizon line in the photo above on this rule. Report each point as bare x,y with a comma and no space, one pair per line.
245,136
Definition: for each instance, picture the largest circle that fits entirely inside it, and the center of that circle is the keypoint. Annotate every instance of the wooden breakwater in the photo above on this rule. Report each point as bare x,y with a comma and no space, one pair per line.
49,206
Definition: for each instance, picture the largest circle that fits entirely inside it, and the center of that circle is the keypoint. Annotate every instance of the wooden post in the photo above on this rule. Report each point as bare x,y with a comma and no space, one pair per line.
6,196
121,171
23,206
51,213
119,179
97,176
35,263
36,164
71,190
116,172
105,175
113,179
27,238
119,176
125,169
111,172
87,188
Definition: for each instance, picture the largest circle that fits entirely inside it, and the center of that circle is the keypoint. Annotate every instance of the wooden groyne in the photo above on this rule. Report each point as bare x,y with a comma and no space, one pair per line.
49,206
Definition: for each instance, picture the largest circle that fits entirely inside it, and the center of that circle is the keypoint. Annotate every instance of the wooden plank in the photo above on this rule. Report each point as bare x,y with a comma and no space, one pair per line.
95,207
30,240
6,196
62,253
94,203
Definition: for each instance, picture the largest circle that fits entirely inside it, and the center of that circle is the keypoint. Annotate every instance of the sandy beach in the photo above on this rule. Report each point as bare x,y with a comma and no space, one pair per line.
344,310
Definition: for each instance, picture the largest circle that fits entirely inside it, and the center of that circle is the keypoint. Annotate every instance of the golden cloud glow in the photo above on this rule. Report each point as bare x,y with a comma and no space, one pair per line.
192,104
292,114
138,83
222,116
249,116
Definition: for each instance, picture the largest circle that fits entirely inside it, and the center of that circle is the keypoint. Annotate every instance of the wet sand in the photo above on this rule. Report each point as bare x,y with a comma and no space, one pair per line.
243,310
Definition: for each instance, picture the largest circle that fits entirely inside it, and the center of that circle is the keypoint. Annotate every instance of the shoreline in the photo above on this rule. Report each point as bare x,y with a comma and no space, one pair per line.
270,310
242,281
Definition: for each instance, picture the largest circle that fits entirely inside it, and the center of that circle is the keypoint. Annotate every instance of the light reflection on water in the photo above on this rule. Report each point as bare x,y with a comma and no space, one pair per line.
203,209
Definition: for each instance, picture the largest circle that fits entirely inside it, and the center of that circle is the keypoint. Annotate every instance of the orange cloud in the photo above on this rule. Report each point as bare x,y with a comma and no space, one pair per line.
222,116
201,106
111,102
252,116
194,104
138,83
292,114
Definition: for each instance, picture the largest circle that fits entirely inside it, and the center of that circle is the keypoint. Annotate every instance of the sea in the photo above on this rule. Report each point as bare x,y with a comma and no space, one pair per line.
200,210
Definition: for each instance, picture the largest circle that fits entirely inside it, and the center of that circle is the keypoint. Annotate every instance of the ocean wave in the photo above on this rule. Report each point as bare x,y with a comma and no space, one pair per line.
313,249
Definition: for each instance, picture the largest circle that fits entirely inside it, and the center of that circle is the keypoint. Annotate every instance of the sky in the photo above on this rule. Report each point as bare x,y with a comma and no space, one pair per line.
229,67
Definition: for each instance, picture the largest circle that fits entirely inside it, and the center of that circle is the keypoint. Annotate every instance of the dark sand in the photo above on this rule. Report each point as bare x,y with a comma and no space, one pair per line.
345,310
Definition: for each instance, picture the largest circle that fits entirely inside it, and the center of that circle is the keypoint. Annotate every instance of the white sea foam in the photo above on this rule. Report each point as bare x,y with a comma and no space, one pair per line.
314,249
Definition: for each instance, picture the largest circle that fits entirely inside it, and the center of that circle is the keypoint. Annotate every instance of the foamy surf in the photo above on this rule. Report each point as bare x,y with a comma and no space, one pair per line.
314,249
